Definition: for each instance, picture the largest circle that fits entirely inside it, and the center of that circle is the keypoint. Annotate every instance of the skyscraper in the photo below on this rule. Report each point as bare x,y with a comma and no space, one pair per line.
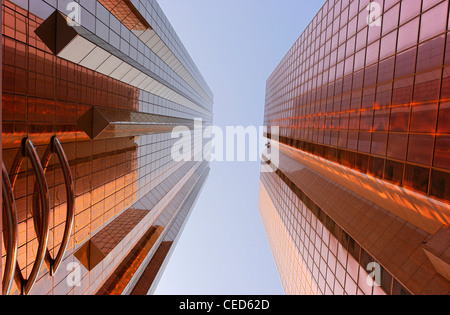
360,201
91,91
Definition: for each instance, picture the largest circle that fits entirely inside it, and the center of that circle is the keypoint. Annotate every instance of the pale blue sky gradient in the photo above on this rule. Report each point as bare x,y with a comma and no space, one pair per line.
236,44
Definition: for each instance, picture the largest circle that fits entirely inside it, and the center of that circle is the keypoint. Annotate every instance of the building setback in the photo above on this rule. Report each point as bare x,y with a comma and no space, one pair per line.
91,91
362,191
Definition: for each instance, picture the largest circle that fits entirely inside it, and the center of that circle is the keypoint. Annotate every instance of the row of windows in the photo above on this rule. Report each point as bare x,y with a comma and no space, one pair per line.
433,182
383,109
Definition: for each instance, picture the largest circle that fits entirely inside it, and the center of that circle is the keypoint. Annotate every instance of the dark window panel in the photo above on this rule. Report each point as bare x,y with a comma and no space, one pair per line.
440,184
376,167
417,178
394,172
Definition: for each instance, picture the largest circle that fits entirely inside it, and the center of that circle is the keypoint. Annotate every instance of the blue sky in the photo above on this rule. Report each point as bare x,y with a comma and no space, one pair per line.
236,45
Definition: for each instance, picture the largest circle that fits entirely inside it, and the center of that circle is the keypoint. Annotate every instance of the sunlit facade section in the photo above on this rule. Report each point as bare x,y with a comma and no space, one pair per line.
91,91
293,273
361,100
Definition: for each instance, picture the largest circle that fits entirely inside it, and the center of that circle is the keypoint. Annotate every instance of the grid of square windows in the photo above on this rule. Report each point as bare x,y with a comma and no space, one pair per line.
313,254
373,98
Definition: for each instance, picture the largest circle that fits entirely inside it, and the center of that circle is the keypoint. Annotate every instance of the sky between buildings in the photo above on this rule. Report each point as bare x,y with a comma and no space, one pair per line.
236,44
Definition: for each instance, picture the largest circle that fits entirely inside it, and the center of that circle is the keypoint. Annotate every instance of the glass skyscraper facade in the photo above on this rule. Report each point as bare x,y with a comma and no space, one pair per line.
93,201
363,185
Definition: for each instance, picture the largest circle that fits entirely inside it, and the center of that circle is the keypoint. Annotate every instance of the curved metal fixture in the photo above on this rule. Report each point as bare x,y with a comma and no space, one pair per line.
10,233
56,148
28,151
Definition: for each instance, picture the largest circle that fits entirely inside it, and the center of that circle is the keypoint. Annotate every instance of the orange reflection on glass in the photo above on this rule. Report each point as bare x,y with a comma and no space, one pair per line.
126,13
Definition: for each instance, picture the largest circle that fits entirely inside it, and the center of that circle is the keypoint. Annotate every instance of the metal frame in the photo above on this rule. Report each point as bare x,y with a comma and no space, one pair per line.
10,233
28,151
56,148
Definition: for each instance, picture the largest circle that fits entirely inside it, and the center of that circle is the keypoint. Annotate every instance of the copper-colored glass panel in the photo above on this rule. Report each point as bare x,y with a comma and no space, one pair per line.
405,37
374,34
356,100
397,146
381,120
445,88
358,80
126,13
354,121
366,120
442,152
348,81
368,98
424,117
386,70
409,10
370,75
402,93
390,19
399,119
346,101
427,86
447,50
364,142
430,54
361,40
344,121
405,63
352,143
379,143
420,149
348,65
434,21
388,44
383,96
373,53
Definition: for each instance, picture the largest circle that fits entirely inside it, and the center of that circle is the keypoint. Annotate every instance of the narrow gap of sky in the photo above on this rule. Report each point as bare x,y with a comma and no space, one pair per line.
236,44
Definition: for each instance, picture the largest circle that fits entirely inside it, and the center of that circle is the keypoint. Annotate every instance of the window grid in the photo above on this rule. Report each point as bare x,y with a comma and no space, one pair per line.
351,89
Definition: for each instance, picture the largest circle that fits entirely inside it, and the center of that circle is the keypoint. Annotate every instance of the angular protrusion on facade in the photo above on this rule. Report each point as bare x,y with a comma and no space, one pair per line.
89,255
93,123
55,32
102,123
